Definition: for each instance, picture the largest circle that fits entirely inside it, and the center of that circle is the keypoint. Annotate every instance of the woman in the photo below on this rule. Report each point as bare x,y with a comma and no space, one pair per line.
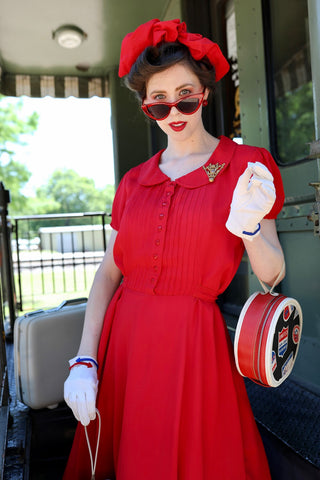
172,404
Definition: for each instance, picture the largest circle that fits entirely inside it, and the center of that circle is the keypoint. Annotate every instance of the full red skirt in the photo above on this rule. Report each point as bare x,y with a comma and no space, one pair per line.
173,406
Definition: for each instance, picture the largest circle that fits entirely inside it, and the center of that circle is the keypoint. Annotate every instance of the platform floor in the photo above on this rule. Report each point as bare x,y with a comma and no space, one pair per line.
288,418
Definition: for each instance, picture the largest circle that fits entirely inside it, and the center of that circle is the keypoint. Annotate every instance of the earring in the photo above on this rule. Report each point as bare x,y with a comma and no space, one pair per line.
205,103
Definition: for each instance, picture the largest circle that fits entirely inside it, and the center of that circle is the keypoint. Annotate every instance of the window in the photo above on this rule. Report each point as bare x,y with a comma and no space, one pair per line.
290,83
234,124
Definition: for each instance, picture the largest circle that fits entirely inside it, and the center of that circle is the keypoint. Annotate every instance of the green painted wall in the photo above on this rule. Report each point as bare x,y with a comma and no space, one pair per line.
130,128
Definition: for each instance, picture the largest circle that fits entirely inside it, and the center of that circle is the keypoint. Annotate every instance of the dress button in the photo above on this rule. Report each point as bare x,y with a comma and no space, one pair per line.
155,268
157,242
168,194
155,257
153,280
159,228
164,204
161,216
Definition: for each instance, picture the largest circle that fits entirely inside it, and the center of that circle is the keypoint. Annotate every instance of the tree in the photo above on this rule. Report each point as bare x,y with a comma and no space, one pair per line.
68,192
295,123
14,174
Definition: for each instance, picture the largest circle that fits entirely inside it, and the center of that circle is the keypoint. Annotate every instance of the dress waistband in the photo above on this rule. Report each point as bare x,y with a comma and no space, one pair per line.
205,293
199,291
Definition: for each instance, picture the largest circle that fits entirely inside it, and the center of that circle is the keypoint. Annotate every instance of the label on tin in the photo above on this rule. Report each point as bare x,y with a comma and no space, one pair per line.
296,334
283,341
274,361
287,312
288,364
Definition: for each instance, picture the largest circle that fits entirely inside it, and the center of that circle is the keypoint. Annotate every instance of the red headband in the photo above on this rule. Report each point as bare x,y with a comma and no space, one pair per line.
154,32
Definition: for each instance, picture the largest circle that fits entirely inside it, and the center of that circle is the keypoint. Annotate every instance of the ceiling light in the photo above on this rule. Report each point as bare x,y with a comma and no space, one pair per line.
69,36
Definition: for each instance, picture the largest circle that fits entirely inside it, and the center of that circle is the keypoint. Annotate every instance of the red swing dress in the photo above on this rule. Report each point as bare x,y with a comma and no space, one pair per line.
172,404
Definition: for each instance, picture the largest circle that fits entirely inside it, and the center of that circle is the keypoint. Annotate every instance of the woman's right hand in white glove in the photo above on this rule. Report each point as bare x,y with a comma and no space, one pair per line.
80,389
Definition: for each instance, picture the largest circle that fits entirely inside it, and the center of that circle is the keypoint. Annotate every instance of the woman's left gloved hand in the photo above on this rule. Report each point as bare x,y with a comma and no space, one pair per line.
252,199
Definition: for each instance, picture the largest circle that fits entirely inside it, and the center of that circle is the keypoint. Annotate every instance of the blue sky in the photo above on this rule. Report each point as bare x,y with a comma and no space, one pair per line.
72,133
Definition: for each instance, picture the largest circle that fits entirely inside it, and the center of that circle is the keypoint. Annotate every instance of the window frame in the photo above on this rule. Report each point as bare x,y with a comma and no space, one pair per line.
271,104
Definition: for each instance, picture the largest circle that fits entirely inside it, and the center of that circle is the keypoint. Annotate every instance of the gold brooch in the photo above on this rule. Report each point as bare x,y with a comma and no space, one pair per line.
212,170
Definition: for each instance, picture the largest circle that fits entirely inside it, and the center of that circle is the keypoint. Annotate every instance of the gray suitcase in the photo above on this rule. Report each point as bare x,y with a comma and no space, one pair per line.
44,341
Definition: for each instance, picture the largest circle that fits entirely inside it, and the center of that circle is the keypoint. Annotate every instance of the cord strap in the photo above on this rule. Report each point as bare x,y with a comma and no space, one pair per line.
264,286
94,462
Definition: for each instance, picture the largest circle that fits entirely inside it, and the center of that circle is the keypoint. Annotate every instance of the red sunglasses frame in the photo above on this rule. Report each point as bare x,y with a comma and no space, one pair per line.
203,102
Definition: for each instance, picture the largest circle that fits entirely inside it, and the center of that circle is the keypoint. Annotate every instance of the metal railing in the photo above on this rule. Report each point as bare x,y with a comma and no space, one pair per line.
53,261
41,257
52,258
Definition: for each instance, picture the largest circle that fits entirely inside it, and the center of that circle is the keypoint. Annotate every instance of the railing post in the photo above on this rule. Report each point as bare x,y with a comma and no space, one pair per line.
7,258
4,386
48,260
104,231
4,392
19,304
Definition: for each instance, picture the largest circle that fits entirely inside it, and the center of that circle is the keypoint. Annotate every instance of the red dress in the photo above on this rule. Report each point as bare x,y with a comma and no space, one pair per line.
172,404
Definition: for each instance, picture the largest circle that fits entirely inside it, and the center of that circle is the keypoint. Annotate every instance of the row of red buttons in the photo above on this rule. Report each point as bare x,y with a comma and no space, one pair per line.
160,229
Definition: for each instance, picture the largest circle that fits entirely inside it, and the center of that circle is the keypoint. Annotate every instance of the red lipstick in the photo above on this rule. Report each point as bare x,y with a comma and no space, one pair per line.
177,126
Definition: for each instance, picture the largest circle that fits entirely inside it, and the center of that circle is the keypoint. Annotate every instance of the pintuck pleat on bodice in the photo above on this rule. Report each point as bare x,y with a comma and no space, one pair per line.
163,261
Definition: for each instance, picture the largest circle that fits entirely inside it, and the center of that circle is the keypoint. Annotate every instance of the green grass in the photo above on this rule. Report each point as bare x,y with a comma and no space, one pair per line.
49,288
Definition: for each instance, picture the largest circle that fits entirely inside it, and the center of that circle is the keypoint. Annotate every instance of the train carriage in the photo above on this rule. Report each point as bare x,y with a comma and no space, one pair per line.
270,98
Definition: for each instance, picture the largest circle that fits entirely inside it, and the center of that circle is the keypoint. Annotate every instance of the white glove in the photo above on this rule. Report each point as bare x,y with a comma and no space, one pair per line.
252,199
80,389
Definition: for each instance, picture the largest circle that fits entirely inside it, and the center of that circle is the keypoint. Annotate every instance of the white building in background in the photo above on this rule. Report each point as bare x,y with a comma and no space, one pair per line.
82,238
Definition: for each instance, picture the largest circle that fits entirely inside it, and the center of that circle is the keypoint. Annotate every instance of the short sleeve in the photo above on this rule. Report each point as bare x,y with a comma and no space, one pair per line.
119,203
269,162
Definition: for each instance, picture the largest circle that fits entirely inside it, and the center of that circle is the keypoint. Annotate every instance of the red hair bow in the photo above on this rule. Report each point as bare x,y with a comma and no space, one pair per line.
154,32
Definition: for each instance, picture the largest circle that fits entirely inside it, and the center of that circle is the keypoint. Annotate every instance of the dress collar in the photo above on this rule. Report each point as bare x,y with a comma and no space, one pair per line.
150,173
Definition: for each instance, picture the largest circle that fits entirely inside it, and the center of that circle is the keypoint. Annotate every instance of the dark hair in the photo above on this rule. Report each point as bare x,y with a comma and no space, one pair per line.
156,59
